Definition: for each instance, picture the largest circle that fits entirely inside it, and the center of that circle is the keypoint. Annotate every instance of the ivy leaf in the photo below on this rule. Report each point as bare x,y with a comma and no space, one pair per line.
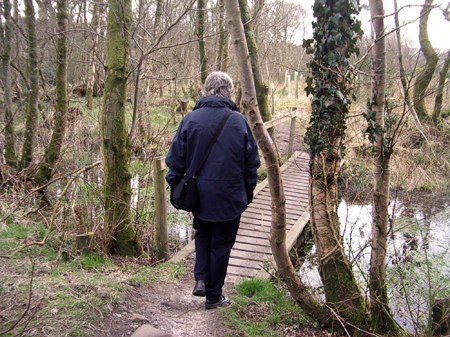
355,6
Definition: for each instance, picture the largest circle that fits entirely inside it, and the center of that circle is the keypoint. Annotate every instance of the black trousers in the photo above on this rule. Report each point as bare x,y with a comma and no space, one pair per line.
213,243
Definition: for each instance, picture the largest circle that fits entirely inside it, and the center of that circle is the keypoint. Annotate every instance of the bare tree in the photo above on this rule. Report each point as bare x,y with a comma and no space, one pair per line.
33,94
382,320
424,78
201,9
278,228
53,150
10,152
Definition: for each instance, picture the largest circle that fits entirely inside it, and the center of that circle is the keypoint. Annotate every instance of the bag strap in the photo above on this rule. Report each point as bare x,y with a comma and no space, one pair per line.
211,144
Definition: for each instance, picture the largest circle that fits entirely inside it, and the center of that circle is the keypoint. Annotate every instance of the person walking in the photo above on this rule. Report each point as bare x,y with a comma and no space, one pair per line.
225,182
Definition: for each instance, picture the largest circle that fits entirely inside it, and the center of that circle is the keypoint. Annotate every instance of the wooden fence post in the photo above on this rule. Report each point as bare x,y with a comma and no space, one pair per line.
272,97
296,84
291,135
289,86
160,208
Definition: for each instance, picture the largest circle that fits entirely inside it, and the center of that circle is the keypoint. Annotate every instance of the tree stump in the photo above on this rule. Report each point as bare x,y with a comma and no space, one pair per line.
83,241
441,316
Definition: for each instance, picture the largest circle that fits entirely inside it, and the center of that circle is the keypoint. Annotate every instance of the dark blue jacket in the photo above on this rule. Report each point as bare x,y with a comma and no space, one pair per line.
226,181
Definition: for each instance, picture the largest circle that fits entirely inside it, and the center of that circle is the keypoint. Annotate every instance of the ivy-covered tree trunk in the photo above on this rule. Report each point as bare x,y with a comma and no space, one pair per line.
382,320
335,35
278,222
201,8
120,234
440,92
33,94
53,150
431,57
10,152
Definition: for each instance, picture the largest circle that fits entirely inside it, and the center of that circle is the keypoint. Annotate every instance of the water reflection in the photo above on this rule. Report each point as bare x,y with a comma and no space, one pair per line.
180,229
418,256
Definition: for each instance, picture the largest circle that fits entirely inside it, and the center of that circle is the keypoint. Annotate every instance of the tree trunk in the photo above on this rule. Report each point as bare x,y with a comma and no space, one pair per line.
31,109
262,89
278,227
440,92
405,82
10,152
91,70
382,320
403,79
222,37
158,14
120,235
330,85
424,77
201,8
52,152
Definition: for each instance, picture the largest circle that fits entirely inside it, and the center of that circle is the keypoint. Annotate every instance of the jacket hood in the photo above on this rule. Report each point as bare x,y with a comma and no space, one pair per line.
215,101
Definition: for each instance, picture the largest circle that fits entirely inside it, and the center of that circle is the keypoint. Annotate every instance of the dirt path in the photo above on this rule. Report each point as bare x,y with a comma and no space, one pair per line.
169,307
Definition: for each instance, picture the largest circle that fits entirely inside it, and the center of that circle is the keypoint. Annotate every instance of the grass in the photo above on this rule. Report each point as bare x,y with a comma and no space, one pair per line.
261,308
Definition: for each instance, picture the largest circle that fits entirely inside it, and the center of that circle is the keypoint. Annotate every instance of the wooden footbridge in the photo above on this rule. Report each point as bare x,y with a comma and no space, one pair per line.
252,249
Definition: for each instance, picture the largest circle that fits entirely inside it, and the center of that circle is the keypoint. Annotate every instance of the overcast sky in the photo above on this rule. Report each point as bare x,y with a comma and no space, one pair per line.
438,28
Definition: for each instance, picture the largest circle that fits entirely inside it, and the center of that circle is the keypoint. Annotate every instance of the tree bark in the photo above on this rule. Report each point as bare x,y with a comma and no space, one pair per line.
33,93
335,35
10,152
278,222
53,150
120,235
222,37
424,77
440,92
382,320
201,8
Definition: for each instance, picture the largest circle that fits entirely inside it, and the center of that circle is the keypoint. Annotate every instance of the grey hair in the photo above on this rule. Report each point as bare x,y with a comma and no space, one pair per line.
218,83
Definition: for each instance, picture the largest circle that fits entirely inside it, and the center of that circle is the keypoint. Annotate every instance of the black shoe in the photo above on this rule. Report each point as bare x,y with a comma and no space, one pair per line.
200,288
222,300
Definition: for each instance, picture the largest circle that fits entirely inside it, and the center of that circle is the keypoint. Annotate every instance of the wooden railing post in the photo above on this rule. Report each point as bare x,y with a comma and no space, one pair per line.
289,86
272,97
160,208
296,84
291,135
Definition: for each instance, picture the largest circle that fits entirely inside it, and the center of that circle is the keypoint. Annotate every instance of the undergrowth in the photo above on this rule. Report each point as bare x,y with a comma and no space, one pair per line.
50,289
